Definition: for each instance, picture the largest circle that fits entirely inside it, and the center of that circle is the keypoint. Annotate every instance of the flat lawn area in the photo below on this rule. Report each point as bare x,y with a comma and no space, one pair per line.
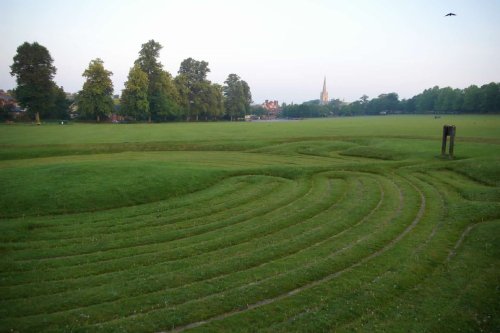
345,224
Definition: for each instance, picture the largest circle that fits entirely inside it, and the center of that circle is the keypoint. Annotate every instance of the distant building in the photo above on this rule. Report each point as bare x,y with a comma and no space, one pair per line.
323,96
10,104
116,118
272,108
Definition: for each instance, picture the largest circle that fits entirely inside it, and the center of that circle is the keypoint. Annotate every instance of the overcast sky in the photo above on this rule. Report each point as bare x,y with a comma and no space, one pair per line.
283,49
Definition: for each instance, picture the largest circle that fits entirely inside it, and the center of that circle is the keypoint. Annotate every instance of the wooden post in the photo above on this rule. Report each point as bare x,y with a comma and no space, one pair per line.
445,134
452,139
448,130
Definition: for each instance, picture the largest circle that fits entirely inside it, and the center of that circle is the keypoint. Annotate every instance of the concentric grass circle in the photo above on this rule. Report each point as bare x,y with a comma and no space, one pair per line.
301,236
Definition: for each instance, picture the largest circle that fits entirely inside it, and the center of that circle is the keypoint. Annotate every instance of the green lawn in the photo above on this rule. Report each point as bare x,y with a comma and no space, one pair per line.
347,224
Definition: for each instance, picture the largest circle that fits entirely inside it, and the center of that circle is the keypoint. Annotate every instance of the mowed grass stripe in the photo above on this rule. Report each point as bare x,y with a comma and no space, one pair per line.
304,188
367,295
193,226
275,286
154,214
312,286
64,226
200,260
468,188
174,250
394,286
295,186
442,242
118,216
90,221
234,250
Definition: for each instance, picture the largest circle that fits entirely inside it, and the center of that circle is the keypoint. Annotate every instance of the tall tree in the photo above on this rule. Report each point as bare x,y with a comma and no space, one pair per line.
162,94
95,99
34,72
247,96
194,87
237,96
148,58
168,98
134,99
208,102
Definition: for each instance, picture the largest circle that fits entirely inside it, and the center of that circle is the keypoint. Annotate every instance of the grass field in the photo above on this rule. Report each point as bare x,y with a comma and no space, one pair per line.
348,224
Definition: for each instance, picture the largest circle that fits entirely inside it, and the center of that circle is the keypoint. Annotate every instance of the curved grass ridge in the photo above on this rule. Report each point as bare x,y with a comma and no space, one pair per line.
344,242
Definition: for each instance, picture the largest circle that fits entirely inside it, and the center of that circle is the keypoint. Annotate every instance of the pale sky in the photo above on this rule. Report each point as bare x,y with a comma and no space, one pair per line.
282,48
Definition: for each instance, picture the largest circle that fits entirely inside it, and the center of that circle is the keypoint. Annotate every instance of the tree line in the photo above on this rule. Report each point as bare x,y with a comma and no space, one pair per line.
473,99
311,109
150,93
153,94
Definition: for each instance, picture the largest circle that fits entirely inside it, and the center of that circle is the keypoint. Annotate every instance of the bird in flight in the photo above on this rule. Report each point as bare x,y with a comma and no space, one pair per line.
451,14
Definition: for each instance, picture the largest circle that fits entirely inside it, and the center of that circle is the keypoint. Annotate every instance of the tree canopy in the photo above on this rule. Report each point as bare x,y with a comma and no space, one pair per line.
195,87
162,94
189,96
237,97
95,99
134,99
194,71
154,94
34,72
148,58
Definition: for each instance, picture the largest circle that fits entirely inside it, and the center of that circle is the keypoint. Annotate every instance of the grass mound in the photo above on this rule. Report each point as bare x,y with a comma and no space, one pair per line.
64,188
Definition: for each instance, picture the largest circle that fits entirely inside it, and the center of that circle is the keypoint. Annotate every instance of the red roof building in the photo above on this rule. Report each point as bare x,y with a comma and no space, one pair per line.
272,107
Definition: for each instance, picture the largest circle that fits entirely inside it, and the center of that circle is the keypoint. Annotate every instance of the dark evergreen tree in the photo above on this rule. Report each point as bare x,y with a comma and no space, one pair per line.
34,74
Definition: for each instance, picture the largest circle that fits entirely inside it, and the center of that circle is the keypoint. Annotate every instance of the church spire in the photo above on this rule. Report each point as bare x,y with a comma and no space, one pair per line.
323,96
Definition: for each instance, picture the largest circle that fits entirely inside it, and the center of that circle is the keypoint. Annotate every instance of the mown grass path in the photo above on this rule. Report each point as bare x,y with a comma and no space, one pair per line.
340,226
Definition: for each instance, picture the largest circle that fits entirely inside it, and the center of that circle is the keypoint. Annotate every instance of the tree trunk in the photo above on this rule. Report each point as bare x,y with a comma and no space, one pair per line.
98,118
149,119
37,118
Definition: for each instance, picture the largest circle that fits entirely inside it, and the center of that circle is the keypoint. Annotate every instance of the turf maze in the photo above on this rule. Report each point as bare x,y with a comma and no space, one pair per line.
340,242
